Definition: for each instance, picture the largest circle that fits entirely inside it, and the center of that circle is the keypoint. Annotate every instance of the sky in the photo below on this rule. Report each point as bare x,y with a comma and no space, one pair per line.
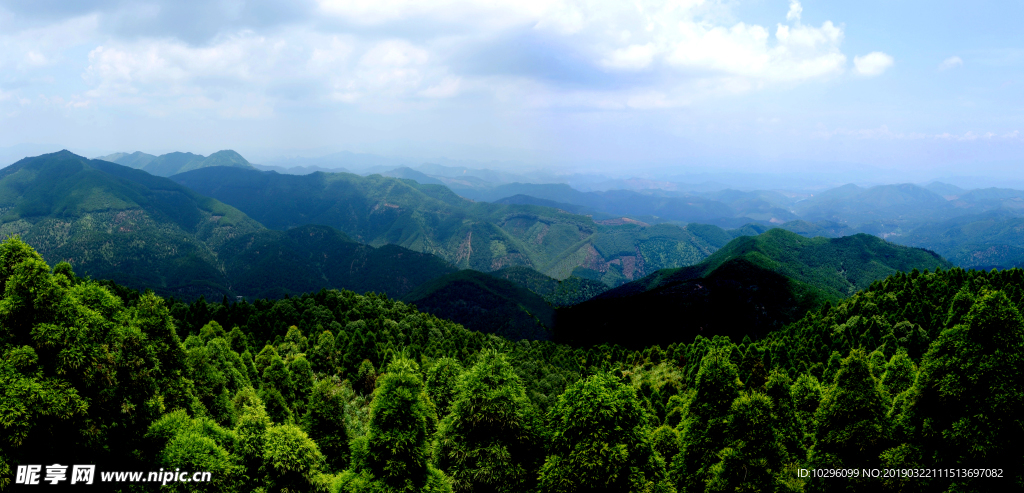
886,90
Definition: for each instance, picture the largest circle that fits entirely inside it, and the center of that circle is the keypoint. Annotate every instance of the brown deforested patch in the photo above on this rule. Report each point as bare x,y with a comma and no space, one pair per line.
465,248
622,220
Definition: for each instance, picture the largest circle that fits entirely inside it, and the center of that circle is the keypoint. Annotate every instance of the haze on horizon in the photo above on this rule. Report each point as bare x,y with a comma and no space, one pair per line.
876,91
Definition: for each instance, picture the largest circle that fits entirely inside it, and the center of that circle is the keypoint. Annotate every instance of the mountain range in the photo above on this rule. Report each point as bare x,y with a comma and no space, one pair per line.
432,219
147,232
751,286
522,266
177,162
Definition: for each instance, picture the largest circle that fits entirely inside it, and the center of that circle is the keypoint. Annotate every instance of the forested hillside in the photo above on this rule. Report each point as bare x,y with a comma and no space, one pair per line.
431,218
146,232
335,391
751,286
485,303
114,222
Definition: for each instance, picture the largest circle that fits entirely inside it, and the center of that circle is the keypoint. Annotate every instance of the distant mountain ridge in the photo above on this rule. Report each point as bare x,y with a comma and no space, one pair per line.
432,219
147,232
177,162
752,285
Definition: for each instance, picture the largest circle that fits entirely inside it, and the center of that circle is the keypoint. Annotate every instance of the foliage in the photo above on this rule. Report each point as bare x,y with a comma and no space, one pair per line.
338,391
601,441
487,304
751,286
432,219
491,441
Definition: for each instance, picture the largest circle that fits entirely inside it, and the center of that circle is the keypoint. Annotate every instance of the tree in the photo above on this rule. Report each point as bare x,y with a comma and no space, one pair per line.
850,424
490,442
292,460
393,456
197,444
601,441
755,458
966,409
325,423
703,432
366,377
806,393
900,373
442,383
784,421
75,362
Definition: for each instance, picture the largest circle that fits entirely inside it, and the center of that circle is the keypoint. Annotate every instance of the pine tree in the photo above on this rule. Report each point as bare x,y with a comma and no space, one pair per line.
966,409
393,456
703,432
601,441
324,422
491,441
850,425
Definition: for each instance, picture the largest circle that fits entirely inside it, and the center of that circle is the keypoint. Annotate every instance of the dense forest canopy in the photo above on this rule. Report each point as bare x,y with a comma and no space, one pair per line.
335,391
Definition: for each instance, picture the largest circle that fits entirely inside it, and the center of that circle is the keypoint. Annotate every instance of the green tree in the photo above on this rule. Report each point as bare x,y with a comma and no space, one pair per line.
755,459
703,432
442,383
900,373
851,424
665,440
806,394
966,409
198,444
292,461
779,388
366,377
75,362
491,441
601,441
393,456
325,423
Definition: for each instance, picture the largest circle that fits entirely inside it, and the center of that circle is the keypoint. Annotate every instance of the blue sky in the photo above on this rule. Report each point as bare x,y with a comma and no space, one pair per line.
893,90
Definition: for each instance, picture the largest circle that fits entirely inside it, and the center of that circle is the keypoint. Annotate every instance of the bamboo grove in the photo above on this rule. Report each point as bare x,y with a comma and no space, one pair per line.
340,392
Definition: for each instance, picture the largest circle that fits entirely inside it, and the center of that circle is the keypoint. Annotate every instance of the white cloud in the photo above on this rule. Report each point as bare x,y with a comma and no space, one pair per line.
393,52
951,62
795,9
244,76
35,47
872,64
633,57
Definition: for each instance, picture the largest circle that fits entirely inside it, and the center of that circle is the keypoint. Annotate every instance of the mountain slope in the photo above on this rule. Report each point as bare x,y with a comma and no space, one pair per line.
979,241
147,232
270,264
114,222
749,287
557,293
431,218
485,303
854,205
674,206
177,162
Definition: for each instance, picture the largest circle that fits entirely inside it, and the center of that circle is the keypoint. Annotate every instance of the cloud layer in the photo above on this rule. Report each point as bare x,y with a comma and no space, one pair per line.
250,59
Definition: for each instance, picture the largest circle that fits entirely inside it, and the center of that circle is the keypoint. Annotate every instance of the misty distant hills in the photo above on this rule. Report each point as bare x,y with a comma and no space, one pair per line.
428,218
752,285
177,162
936,216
